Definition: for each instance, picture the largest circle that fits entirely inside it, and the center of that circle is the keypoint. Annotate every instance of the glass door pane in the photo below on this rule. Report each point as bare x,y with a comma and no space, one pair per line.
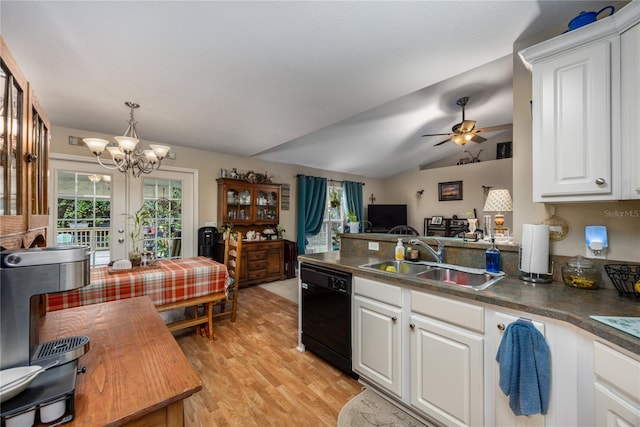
83,213
163,233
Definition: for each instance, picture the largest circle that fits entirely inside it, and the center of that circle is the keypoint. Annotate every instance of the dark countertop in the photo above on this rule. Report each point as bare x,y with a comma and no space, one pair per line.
553,300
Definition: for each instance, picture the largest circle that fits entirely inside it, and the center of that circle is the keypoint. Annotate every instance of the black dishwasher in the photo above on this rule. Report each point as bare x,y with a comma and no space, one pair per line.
326,314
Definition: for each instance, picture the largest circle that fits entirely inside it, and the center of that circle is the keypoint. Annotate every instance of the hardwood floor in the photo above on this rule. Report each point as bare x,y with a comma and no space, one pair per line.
253,375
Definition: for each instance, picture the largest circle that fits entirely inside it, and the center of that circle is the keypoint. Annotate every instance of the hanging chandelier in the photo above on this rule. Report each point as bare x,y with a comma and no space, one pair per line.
127,156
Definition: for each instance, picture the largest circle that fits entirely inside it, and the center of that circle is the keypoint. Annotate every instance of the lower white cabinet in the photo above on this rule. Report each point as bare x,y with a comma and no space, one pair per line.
377,338
616,387
446,372
504,416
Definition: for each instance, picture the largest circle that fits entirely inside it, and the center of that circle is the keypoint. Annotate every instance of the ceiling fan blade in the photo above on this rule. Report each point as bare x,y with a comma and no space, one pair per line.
467,126
478,138
495,128
440,143
436,134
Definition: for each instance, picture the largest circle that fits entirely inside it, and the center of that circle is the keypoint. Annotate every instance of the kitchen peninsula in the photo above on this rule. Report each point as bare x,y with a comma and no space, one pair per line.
431,346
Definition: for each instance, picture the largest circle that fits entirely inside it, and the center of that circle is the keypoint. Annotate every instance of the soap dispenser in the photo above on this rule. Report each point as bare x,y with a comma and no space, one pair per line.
399,250
492,258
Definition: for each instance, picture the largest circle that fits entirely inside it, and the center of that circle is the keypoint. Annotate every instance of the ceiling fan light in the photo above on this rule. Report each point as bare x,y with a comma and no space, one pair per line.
459,139
468,136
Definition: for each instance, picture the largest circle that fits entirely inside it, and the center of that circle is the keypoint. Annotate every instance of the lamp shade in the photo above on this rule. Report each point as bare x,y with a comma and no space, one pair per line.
498,200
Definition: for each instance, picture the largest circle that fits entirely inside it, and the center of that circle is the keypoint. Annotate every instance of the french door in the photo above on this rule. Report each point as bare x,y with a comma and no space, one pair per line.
91,206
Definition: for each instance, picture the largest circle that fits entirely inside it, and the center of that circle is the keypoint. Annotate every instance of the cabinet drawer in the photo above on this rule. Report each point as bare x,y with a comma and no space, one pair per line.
389,294
617,369
257,274
260,264
268,246
448,310
256,255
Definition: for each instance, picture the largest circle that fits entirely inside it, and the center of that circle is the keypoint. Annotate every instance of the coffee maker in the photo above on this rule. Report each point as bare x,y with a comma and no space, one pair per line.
27,274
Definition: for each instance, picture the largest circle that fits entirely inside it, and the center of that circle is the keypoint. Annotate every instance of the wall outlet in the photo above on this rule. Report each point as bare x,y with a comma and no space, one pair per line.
210,224
374,246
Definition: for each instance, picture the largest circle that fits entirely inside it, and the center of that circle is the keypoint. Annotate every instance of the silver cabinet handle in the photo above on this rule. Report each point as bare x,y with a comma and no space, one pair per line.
501,326
600,181
120,239
412,325
394,318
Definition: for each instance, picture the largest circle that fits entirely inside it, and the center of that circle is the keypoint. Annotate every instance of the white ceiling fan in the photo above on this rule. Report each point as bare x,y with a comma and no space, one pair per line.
465,131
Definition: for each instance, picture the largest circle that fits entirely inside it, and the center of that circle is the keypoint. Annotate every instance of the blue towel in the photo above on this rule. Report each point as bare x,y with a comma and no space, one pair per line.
525,374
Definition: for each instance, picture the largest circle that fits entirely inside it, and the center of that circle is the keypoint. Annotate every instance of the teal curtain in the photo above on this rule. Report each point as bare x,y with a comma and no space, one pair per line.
312,202
353,198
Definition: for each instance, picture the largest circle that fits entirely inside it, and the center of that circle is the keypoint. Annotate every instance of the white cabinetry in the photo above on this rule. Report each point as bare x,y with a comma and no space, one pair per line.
616,387
630,114
447,360
377,338
504,416
577,105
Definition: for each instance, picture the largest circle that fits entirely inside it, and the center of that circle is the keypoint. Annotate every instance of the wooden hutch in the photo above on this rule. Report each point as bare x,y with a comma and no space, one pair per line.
253,206
24,160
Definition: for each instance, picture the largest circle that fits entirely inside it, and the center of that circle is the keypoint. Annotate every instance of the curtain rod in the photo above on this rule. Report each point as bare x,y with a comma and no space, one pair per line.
330,180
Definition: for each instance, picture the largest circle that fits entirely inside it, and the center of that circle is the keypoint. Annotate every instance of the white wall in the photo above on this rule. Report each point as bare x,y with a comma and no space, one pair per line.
209,163
403,188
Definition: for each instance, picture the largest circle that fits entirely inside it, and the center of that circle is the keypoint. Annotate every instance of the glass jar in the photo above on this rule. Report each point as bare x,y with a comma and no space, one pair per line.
581,273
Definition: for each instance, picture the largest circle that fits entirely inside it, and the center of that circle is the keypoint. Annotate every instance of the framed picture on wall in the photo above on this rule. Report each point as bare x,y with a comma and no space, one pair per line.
503,150
449,191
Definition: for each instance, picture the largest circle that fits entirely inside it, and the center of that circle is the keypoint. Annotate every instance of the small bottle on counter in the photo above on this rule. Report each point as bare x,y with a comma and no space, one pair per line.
492,258
399,250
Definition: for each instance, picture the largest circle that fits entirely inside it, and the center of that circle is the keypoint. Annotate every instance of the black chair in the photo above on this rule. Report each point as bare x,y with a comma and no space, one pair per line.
404,229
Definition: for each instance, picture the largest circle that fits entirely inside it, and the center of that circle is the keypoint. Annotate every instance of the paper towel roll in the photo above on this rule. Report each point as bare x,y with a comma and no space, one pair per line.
535,248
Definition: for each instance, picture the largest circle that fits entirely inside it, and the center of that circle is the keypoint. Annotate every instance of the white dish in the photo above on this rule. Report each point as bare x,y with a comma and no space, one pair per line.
15,380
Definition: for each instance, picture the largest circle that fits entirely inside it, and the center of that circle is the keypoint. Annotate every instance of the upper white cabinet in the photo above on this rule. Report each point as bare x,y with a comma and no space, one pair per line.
630,114
583,97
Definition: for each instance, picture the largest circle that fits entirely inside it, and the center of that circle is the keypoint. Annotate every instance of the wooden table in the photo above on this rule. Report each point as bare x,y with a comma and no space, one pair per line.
136,374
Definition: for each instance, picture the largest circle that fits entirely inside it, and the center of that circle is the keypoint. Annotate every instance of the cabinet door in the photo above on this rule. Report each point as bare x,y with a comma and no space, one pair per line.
378,343
572,124
38,165
275,261
13,145
630,112
503,413
613,410
447,372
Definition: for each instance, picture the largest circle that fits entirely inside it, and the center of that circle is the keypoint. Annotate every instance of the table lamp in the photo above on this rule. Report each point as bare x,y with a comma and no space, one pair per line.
498,200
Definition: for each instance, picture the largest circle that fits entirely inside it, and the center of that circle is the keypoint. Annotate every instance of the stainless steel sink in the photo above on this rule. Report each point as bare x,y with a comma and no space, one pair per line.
461,278
471,278
399,267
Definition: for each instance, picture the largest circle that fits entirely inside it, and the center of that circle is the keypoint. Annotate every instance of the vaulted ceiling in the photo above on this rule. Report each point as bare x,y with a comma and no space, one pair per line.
347,86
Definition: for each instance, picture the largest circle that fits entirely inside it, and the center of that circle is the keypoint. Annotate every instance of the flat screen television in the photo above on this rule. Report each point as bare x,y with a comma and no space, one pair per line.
385,217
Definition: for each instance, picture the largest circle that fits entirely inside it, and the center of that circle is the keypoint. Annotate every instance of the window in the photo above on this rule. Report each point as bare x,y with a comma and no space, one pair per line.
83,214
163,233
329,237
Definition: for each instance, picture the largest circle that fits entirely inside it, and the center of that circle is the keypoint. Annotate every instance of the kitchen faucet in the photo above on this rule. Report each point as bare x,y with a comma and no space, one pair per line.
439,255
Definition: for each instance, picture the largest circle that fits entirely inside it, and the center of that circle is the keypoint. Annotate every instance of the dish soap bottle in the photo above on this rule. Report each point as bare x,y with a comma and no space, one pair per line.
492,258
399,250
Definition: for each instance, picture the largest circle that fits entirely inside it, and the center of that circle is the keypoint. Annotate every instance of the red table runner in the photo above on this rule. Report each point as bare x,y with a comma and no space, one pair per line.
169,281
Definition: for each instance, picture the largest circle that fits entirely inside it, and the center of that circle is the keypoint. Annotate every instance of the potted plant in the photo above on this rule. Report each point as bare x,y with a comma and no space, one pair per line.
334,200
227,226
354,225
139,220
280,230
